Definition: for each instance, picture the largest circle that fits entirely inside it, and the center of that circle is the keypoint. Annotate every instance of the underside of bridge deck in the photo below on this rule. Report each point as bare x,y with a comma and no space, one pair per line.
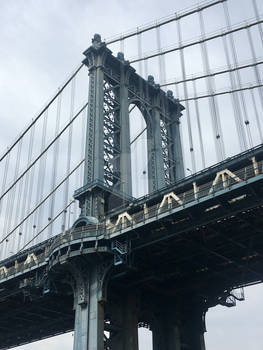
176,268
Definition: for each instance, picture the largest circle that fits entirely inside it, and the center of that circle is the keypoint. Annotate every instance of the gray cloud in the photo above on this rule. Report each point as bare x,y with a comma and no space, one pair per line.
41,41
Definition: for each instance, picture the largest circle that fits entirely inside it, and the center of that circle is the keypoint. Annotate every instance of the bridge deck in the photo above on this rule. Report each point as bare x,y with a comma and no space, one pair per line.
205,240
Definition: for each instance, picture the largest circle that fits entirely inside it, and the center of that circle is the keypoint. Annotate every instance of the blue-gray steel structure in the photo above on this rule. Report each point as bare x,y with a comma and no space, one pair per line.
186,254
125,262
114,87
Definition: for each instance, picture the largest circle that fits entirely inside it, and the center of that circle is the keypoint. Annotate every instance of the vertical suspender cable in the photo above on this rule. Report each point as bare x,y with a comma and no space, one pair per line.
199,126
180,127
18,212
82,153
18,202
190,136
75,205
11,194
239,84
41,176
29,226
258,78
146,69
25,181
254,103
235,102
54,166
70,129
260,28
139,46
161,58
216,125
10,202
28,185
9,149
4,183
135,148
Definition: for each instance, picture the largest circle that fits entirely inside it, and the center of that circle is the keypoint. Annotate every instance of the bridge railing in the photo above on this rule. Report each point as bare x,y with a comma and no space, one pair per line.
78,234
223,180
22,266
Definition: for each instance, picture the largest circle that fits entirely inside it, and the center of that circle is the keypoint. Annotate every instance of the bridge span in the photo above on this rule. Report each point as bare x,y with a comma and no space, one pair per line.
182,248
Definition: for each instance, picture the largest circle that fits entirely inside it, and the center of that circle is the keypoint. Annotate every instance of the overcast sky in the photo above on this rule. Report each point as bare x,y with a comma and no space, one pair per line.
41,42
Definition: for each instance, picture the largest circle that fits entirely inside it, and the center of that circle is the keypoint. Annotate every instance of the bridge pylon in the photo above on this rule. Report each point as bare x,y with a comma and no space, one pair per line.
114,86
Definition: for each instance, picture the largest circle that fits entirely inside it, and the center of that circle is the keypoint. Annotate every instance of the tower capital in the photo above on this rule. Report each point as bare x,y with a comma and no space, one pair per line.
97,53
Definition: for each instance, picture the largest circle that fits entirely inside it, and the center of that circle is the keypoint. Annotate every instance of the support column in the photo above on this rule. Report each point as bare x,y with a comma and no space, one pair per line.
179,328
166,331
89,308
96,314
125,156
81,327
124,323
154,141
94,153
176,151
174,109
157,149
96,56
130,323
192,330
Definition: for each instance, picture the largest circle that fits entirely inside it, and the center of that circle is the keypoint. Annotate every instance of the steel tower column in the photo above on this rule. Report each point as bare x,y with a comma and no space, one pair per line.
125,185
88,283
178,326
156,173
113,86
123,327
175,147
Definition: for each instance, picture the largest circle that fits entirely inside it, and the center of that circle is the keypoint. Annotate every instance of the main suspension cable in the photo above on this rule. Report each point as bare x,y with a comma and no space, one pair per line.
190,135
43,200
158,23
41,113
45,150
45,227
183,45
66,188
55,162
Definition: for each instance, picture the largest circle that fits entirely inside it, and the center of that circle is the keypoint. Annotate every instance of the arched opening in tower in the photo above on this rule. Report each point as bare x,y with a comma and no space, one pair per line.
139,158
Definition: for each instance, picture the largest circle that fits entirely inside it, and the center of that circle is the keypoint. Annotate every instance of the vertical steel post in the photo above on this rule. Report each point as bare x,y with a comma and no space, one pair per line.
125,148
88,284
180,328
154,145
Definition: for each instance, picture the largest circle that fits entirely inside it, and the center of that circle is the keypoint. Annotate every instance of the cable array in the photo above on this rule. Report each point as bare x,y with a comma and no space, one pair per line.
44,165
208,114
39,173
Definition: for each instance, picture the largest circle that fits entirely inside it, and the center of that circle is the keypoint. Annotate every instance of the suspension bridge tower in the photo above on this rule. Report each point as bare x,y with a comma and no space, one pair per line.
113,86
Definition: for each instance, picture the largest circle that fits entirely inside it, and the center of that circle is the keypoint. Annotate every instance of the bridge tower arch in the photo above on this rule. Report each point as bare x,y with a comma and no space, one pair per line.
113,86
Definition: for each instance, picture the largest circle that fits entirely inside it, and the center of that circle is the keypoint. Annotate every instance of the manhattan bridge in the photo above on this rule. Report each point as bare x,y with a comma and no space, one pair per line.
134,198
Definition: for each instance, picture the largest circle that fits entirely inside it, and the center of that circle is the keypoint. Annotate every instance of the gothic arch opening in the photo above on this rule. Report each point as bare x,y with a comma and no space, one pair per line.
139,156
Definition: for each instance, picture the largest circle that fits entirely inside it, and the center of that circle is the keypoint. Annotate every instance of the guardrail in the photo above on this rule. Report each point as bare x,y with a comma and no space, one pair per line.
223,180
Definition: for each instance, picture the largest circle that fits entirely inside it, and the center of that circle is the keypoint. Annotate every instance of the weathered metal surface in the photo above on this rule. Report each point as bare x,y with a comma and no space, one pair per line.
206,245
